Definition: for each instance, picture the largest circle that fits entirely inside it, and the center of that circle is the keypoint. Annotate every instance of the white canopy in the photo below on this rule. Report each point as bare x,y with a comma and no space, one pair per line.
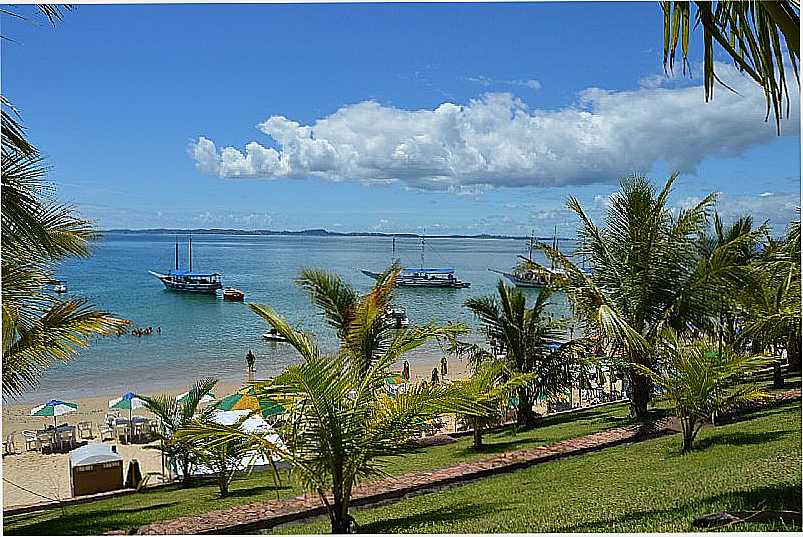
93,454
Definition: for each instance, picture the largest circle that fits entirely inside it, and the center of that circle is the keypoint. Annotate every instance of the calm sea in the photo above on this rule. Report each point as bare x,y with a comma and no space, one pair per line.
203,335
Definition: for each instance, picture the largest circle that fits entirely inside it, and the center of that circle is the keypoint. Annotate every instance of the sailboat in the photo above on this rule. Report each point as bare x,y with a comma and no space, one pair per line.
534,278
188,281
423,277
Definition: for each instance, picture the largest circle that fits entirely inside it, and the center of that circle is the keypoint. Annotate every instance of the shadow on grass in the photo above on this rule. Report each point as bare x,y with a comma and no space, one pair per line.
433,516
773,498
255,491
739,439
82,522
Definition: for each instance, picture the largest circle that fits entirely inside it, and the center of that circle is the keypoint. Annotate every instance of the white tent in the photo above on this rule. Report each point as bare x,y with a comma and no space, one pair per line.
253,424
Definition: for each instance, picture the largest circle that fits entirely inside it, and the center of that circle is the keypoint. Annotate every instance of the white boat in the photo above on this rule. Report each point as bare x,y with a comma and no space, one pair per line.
274,335
188,281
396,317
423,277
60,287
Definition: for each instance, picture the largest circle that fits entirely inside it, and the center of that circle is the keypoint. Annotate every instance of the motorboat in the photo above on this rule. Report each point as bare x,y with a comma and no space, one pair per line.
235,295
274,335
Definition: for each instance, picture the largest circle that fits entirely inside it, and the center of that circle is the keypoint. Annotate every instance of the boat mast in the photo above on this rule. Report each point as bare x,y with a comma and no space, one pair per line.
422,250
190,253
176,252
532,243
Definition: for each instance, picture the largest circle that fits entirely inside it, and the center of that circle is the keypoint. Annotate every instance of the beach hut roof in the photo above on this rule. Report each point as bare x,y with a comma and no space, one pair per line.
93,454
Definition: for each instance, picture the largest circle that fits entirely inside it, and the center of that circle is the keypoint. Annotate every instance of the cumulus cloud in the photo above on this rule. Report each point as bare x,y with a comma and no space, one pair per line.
498,140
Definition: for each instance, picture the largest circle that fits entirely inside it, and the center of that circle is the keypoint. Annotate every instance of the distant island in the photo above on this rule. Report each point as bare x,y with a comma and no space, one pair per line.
314,233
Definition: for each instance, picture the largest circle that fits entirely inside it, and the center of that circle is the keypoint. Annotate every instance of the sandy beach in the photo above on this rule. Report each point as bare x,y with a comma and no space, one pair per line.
47,476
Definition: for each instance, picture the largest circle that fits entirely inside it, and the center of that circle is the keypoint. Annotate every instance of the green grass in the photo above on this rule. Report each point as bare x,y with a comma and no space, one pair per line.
128,512
649,486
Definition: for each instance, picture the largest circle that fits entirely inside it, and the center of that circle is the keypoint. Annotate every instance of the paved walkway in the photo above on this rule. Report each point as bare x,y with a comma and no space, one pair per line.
274,512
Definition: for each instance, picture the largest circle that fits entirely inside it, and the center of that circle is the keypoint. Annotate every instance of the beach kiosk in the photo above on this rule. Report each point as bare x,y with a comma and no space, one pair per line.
95,468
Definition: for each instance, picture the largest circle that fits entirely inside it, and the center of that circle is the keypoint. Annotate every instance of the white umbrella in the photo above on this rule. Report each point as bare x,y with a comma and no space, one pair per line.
206,398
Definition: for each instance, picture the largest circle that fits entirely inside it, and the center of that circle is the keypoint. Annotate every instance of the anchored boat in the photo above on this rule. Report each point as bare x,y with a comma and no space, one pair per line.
423,277
235,295
188,281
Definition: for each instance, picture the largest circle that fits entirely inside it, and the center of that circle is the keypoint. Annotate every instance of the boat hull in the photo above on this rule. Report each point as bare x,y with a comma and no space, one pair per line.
402,281
188,287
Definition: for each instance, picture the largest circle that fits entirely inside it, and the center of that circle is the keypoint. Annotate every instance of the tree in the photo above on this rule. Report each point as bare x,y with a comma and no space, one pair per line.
755,34
698,380
531,342
174,416
490,384
340,424
649,272
773,307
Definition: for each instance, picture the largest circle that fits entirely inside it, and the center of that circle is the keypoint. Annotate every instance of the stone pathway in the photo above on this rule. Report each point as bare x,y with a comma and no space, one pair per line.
265,514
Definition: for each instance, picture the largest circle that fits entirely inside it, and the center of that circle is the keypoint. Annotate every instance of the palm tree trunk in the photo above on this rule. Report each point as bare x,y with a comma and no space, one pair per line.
524,412
477,435
793,353
641,392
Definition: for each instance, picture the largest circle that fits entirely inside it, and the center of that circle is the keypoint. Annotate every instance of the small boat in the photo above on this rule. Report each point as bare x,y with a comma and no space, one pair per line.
423,277
189,281
396,317
235,295
60,287
274,335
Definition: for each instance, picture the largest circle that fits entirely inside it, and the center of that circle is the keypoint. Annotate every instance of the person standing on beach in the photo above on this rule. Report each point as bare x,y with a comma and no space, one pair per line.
406,370
435,375
444,368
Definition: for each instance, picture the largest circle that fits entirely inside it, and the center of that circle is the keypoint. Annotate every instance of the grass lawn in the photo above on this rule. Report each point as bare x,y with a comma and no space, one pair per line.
648,486
138,509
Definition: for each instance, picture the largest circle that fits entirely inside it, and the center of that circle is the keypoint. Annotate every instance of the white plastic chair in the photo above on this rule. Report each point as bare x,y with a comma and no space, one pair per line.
31,442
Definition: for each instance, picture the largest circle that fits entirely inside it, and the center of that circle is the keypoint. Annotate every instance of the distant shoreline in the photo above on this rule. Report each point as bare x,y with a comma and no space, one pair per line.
313,233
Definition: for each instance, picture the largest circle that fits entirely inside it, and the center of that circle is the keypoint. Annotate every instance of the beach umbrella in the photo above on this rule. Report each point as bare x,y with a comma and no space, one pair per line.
207,398
54,408
247,398
128,401
395,378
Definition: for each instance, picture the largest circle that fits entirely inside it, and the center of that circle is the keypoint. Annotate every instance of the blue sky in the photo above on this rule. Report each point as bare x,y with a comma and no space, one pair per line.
450,118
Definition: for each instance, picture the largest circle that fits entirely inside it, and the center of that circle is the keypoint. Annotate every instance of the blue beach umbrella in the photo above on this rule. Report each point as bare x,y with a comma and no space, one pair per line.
54,408
128,401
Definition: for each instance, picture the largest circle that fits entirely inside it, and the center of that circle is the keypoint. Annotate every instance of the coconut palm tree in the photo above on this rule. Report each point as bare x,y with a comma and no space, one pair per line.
649,272
698,380
531,341
491,383
173,416
39,329
341,424
773,307
757,35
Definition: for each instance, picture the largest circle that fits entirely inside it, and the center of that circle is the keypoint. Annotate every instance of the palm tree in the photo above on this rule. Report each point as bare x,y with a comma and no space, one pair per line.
697,379
491,383
531,342
755,34
174,416
649,272
39,329
773,310
341,425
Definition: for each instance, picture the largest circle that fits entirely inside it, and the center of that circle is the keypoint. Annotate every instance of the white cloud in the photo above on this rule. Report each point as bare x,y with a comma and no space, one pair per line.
765,194
498,140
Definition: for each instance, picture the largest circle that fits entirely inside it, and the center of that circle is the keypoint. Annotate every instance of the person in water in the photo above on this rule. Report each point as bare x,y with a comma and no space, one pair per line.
250,359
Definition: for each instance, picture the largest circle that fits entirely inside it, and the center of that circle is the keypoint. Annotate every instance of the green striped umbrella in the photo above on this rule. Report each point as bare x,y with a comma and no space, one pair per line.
54,408
247,398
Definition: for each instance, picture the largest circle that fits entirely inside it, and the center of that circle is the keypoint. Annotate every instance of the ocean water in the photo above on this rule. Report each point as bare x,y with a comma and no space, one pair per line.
205,336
